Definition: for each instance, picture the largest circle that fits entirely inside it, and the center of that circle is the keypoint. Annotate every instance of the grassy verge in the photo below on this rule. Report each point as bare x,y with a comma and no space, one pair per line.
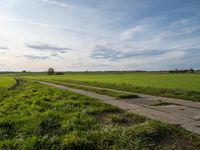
172,93
118,95
35,116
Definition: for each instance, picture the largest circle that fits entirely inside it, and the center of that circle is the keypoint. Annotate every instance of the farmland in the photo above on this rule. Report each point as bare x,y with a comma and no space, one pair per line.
175,81
35,116
183,86
6,81
99,75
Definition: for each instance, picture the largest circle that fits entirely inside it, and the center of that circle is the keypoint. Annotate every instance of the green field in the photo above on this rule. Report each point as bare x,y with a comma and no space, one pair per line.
34,116
6,81
171,81
183,86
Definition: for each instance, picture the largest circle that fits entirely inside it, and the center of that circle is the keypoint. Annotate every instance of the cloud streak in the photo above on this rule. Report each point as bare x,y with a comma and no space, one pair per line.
105,53
129,33
36,57
52,27
40,24
46,47
3,48
61,4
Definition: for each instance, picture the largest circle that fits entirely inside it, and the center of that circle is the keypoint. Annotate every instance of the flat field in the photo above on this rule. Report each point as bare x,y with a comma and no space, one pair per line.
183,86
34,116
171,81
6,81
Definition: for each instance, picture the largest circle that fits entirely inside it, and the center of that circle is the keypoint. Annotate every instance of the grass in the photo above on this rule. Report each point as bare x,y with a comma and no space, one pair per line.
155,80
173,93
34,116
163,104
124,119
181,86
115,94
6,81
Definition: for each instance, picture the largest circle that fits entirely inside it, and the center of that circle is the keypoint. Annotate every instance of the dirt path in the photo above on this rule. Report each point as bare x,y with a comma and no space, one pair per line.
184,113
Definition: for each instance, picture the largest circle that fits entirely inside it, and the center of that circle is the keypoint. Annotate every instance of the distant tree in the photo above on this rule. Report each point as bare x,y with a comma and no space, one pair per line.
182,71
191,70
50,71
59,73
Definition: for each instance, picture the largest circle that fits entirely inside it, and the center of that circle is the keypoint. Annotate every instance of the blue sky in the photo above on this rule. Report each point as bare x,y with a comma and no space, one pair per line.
99,35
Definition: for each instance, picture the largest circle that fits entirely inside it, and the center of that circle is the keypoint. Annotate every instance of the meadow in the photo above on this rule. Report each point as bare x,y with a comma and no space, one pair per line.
35,116
173,81
183,86
6,81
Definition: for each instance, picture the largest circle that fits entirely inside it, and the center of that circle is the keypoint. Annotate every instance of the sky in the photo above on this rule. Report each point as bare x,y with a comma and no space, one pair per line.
80,35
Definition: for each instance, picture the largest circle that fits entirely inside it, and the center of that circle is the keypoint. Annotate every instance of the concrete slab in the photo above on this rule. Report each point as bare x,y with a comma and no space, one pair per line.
184,111
162,116
192,126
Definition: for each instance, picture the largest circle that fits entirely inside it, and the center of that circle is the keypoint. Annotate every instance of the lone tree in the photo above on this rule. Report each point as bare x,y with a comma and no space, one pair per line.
191,70
50,71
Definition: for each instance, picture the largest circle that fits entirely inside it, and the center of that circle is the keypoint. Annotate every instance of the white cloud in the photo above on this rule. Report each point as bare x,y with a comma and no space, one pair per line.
39,24
131,32
179,22
54,2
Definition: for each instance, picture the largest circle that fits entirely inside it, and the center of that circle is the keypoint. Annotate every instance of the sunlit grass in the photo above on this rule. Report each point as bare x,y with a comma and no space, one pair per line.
6,81
170,81
181,86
